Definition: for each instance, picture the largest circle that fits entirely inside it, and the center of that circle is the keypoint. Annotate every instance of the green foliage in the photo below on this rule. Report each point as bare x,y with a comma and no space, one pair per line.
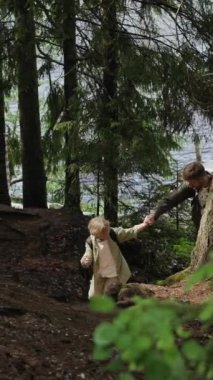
183,247
14,148
102,304
159,83
53,139
150,339
157,256
55,188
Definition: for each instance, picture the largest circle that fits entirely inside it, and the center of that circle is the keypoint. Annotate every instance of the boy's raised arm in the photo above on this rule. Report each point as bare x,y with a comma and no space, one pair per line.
124,234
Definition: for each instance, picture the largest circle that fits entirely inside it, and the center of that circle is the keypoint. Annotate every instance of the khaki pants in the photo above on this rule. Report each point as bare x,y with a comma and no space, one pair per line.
102,285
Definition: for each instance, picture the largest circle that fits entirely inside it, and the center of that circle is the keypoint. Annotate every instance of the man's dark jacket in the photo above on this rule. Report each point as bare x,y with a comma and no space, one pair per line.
179,196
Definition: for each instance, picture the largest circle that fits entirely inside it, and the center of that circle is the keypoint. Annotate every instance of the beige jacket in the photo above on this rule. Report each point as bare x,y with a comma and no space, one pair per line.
122,268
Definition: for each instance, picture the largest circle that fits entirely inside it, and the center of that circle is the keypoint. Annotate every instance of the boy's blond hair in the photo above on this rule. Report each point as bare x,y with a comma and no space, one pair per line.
97,225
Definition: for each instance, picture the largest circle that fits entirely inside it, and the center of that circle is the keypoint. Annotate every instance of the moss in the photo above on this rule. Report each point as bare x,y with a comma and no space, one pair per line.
173,279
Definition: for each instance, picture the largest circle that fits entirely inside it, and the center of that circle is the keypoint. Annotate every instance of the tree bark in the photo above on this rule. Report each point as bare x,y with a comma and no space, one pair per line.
72,182
109,110
34,180
4,192
204,243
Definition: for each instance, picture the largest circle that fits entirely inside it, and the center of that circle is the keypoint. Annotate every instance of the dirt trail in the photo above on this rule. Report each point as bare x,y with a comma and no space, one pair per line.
46,325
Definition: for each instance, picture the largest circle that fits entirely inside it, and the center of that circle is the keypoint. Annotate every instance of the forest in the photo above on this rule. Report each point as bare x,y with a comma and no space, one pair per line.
95,95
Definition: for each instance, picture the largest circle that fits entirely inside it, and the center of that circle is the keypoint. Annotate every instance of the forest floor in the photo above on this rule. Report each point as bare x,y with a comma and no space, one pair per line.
46,325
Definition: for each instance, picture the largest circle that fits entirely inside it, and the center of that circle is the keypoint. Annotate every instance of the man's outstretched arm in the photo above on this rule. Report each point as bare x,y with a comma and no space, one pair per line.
172,200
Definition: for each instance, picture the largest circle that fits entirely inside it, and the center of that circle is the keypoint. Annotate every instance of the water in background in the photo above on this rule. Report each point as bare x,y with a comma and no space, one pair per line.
134,185
188,154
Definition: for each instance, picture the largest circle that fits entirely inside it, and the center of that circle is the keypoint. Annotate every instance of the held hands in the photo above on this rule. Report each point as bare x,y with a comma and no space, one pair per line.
150,219
85,262
142,226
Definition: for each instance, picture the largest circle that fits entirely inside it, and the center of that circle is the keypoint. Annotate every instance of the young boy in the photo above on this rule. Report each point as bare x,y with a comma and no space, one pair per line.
110,269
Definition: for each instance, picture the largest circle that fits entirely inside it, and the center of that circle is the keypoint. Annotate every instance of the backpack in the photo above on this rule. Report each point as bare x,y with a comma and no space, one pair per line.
112,234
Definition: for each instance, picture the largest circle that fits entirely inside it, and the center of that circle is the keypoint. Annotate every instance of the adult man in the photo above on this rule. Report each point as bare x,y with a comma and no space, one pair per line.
197,185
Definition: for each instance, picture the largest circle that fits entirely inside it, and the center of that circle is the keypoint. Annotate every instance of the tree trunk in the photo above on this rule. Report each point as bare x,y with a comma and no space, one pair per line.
34,180
109,110
4,193
204,243
197,145
72,182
